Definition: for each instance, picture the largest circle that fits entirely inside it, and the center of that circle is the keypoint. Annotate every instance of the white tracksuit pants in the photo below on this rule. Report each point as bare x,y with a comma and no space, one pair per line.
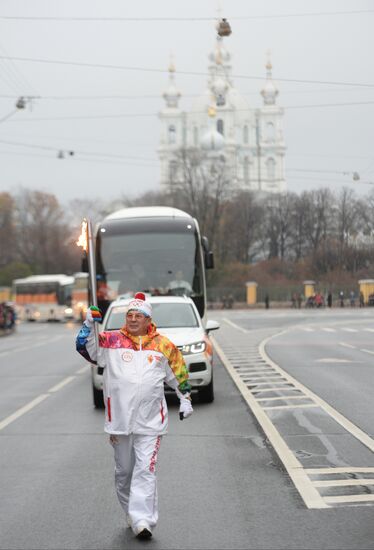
135,476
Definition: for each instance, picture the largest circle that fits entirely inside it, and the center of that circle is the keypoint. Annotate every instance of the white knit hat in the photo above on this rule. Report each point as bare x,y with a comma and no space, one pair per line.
140,304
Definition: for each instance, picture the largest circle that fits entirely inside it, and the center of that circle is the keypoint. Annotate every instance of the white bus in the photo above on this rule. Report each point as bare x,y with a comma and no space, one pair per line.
79,296
155,249
43,297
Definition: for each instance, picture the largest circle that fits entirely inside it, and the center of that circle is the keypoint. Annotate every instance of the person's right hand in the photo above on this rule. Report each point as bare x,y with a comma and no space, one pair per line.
93,315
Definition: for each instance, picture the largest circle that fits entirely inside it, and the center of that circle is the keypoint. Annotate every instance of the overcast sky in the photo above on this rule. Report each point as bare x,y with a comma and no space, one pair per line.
97,111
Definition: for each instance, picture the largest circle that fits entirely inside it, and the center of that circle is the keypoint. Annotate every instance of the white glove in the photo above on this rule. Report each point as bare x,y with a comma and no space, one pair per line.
93,315
185,408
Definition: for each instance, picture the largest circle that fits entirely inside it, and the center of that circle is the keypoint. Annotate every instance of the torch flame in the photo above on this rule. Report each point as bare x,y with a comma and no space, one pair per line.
83,238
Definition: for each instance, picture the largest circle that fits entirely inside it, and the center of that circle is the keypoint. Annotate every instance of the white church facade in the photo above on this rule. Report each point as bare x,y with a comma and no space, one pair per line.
221,121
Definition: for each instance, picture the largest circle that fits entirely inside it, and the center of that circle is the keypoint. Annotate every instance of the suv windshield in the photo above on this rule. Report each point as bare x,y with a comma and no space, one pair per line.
171,315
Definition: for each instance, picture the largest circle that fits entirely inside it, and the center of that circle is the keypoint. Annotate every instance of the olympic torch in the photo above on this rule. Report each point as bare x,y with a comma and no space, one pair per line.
86,241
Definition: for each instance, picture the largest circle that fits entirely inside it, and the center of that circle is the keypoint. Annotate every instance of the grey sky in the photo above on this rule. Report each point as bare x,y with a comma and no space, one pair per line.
334,48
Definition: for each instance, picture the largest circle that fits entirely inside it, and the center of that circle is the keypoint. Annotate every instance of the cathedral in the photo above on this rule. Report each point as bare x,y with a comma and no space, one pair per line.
221,122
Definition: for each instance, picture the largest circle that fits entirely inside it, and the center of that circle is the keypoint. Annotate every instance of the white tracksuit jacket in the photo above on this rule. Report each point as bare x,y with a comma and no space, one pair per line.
135,369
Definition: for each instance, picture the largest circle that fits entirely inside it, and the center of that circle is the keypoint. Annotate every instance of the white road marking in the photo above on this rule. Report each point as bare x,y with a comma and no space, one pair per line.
350,329
254,380
369,329
304,405
275,388
367,351
349,498
310,495
329,329
82,370
342,420
335,360
29,406
268,383
20,412
307,329
235,326
249,374
61,384
281,397
347,345
343,482
340,470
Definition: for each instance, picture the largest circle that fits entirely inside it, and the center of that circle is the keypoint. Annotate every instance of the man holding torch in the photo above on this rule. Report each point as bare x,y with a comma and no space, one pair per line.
137,361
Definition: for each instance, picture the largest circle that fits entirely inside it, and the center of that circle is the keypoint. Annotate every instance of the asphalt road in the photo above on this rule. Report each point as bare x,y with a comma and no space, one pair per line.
220,483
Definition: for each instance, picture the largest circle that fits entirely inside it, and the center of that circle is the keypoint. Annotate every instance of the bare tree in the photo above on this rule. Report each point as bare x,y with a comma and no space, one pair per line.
42,233
199,183
7,229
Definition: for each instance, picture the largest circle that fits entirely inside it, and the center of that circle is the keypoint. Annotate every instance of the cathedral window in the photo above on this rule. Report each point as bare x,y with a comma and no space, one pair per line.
172,134
220,100
246,169
173,169
270,131
195,136
270,167
245,134
220,126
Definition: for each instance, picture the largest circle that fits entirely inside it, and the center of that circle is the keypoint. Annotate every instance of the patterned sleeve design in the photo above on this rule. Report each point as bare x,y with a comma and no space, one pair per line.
83,342
176,363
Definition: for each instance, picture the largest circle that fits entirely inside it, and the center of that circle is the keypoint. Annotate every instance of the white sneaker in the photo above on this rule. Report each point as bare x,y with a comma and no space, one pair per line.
143,531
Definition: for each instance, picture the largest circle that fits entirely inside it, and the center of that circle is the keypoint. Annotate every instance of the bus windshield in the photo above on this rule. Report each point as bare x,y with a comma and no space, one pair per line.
155,262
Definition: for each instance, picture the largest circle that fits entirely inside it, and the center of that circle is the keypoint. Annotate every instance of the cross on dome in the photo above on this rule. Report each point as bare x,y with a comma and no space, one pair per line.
269,91
172,94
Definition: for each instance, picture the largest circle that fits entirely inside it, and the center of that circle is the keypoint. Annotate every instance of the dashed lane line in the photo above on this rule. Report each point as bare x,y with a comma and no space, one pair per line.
61,384
35,402
235,326
367,351
344,344
32,346
23,410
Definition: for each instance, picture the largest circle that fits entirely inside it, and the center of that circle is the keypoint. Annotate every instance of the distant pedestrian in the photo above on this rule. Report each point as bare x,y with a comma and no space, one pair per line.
341,298
362,299
299,300
293,301
352,298
267,301
329,299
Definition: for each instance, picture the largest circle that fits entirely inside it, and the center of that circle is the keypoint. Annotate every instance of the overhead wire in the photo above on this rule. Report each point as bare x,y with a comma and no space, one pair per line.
175,19
75,152
185,73
153,114
21,82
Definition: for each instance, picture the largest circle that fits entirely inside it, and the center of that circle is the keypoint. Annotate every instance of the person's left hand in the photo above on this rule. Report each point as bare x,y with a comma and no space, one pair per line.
185,408
93,315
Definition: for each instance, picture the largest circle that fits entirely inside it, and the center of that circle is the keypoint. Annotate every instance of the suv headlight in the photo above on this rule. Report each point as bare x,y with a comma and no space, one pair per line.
197,347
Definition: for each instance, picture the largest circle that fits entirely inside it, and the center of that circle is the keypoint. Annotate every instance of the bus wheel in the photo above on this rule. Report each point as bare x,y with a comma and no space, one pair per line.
98,398
206,394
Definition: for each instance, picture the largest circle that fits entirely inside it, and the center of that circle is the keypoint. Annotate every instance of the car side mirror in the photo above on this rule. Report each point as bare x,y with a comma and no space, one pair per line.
211,325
